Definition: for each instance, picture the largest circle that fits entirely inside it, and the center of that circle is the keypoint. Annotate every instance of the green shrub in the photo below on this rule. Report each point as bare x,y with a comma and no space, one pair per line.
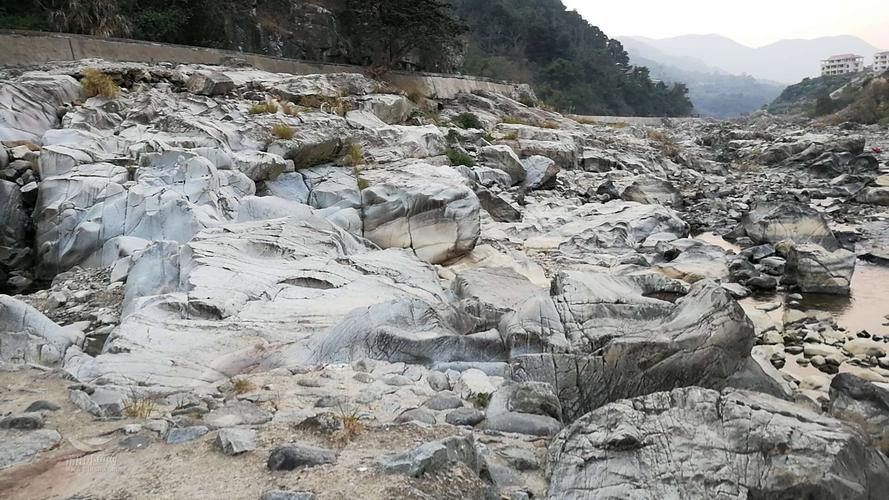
457,157
94,83
481,400
468,120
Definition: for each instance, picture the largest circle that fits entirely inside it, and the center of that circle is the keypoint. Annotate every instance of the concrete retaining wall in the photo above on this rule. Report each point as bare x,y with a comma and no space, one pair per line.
28,48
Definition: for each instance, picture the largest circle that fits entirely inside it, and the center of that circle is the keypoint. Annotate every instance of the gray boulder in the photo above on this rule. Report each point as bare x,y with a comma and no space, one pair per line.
236,441
503,158
698,443
540,171
613,322
773,223
651,190
27,336
423,207
813,269
292,456
19,447
525,408
210,84
433,457
861,403
186,434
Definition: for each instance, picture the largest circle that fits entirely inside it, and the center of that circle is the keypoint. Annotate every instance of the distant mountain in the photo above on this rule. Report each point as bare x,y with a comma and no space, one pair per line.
713,91
786,61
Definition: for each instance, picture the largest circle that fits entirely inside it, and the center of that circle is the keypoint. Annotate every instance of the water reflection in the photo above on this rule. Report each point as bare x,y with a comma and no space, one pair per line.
864,309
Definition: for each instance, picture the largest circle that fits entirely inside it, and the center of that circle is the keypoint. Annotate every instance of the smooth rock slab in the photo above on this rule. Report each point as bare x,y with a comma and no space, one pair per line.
186,434
287,495
699,443
17,447
236,413
293,456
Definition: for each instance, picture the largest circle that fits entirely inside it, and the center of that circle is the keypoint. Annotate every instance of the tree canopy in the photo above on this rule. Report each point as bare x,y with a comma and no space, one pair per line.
386,32
573,65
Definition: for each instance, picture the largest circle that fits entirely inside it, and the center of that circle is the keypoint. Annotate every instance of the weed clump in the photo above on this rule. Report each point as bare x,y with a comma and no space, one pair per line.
95,83
242,386
467,121
267,107
457,157
282,131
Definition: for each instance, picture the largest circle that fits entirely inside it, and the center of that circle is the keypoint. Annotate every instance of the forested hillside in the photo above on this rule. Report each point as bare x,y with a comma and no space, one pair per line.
572,65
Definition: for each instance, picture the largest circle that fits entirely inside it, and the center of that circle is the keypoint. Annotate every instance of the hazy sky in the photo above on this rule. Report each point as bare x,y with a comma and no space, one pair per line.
751,22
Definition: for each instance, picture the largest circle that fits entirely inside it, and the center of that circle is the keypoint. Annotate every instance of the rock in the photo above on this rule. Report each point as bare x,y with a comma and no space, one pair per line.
613,319
758,252
186,434
814,269
25,421
503,158
292,456
30,105
438,381
423,207
416,414
27,336
861,403
473,382
465,416
874,196
520,458
211,84
136,442
650,190
441,402
433,457
524,408
20,447
83,401
42,406
236,441
769,223
287,495
540,171
236,413
725,442
500,209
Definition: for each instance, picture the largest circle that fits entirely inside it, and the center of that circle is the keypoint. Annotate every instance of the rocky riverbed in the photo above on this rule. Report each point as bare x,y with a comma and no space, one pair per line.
226,283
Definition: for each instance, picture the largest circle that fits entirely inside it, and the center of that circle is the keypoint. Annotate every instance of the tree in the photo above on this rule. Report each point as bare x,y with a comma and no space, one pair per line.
386,32
93,17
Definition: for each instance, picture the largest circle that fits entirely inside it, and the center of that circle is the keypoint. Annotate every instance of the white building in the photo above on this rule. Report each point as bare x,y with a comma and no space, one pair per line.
881,62
842,64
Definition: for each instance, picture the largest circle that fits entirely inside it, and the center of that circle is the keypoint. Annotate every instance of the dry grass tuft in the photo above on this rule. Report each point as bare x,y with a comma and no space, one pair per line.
95,83
352,426
267,107
242,385
282,131
142,407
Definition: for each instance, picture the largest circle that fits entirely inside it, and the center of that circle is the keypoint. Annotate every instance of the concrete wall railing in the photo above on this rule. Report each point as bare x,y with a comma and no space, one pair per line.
30,48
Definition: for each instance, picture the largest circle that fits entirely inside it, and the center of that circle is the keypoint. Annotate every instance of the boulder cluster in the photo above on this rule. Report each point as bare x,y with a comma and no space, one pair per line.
402,296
